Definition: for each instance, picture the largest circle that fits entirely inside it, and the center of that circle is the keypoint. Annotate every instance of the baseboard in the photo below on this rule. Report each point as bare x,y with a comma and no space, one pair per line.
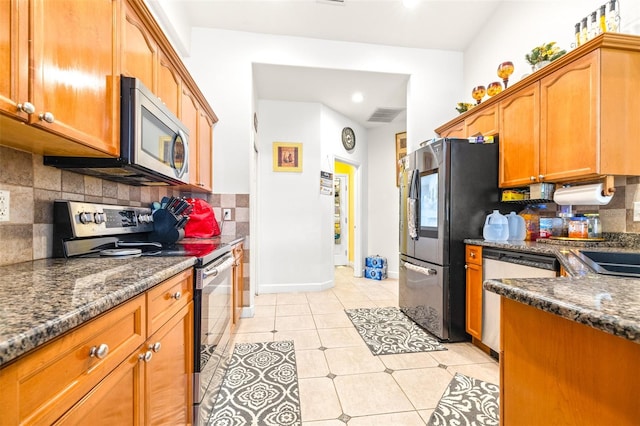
294,288
248,312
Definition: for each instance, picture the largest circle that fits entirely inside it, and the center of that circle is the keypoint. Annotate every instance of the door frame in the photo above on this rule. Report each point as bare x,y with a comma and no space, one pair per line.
343,259
358,260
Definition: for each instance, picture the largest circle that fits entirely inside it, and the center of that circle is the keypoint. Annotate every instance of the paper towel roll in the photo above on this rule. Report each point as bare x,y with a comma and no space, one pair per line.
581,195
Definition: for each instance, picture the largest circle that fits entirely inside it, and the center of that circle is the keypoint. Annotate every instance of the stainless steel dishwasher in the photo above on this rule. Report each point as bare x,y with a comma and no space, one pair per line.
498,264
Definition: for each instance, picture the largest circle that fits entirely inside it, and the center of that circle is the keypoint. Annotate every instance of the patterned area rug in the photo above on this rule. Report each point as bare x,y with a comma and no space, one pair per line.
260,387
389,331
467,402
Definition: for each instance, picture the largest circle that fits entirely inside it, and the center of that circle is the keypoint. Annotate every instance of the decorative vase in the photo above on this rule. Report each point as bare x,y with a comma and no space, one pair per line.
536,67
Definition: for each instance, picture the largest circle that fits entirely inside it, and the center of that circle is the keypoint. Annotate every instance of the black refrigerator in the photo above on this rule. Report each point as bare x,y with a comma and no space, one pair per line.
446,192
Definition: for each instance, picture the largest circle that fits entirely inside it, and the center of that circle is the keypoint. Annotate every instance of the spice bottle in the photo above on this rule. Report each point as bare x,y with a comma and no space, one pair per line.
602,18
592,29
577,34
583,31
613,16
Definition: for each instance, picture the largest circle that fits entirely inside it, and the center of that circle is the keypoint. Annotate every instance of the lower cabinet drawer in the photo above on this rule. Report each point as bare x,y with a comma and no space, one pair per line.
167,298
40,387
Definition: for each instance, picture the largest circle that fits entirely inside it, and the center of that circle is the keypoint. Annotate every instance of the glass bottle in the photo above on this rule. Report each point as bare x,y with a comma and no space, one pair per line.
592,28
613,16
577,34
583,31
594,227
602,18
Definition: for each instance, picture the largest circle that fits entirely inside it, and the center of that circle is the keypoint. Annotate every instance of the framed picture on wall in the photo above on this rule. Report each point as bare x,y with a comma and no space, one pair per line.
287,157
401,152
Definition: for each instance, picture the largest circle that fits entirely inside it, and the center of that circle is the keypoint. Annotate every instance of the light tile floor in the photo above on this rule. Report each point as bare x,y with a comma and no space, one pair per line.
341,382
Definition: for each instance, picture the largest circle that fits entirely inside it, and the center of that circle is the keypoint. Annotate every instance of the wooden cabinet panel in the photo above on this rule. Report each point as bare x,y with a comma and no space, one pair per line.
114,401
139,51
189,117
457,130
519,137
238,282
569,120
164,300
14,56
205,151
168,374
169,85
557,371
484,122
40,387
473,255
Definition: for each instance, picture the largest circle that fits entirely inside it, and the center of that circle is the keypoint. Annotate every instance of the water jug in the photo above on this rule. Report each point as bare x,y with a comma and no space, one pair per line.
517,227
496,227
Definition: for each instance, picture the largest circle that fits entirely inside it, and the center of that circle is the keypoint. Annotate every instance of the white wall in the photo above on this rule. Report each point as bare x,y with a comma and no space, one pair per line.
383,194
296,224
517,27
221,64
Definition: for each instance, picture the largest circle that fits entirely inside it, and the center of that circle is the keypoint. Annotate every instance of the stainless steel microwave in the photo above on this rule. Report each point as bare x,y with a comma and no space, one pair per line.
154,144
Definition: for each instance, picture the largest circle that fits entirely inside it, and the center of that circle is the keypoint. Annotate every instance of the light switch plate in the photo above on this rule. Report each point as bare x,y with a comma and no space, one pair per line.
5,206
636,211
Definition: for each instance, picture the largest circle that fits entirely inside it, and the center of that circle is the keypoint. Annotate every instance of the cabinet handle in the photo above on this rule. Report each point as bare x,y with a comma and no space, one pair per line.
465,267
27,107
146,357
155,347
200,184
532,178
99,352
47,116
472,254
541,177
177,295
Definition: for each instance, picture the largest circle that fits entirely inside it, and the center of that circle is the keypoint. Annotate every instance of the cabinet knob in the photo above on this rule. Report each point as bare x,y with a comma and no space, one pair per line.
146,357
472,254
155,347
532,178
200,184
27,107
465,267
177,295
47,116
100,351
541,177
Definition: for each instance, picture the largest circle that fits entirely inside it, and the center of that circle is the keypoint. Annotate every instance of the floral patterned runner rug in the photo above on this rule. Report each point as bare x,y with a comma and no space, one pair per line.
389,331
260,387
469,402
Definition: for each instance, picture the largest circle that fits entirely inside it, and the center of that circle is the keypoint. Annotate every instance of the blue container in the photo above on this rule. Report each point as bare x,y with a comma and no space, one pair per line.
375,273
375,262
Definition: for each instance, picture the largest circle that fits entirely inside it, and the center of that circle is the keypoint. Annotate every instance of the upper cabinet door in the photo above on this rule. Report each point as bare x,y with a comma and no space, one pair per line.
205,151
519,137
14,57
139,51
75,88
484,122
570,120
168,84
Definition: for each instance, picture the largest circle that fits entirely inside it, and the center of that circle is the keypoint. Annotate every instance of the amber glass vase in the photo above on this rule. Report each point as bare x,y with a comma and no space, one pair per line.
505,69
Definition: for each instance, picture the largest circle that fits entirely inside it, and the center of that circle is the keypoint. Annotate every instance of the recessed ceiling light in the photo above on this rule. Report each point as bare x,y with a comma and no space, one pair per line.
410,4
357,97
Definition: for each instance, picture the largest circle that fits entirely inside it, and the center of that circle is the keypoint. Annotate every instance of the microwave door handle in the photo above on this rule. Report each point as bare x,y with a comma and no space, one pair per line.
420,269
180,135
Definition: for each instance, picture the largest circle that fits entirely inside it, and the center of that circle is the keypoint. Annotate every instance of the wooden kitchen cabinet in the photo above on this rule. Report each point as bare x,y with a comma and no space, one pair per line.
200,126
473,260
169,84
238,281
483,122
138,49
72,104
144,376
519,158
455,130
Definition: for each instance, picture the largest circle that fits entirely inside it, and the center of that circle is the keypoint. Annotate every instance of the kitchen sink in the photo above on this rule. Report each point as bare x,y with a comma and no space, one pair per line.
624,264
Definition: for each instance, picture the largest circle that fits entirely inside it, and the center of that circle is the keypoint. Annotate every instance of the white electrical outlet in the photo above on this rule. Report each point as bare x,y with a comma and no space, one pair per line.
636,211
5,206
226,214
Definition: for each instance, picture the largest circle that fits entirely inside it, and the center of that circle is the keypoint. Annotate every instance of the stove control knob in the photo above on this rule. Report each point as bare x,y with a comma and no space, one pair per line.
99,218
85,217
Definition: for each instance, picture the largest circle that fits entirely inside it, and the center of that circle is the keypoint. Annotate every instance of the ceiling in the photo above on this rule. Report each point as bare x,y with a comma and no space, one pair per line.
431,24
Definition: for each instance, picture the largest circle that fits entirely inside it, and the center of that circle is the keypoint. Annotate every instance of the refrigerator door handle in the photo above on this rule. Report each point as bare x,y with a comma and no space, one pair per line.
420,269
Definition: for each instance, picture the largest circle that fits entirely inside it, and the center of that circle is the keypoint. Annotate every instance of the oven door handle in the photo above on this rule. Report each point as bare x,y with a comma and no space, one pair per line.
420,269
214,271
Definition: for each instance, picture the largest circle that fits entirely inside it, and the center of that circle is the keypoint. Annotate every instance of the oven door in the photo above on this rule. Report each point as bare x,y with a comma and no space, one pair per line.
212,328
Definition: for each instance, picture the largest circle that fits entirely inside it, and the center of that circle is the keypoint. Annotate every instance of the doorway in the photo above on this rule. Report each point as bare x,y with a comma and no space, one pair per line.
341,220
353,206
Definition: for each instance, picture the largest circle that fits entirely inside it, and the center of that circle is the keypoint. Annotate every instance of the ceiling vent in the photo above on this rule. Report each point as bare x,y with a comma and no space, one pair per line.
385,115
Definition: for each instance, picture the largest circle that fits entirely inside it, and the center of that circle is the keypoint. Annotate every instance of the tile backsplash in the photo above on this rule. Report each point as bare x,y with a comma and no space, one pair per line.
33,188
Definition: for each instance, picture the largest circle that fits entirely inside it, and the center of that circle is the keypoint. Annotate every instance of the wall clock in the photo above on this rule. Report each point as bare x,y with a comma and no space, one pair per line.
348,138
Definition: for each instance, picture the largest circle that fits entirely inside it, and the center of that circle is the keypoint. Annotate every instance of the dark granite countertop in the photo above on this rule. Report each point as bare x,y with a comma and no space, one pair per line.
607,303
45,298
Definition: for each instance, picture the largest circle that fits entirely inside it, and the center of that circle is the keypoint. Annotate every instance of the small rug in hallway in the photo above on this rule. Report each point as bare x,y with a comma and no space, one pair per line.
467,402
389,331
260,387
